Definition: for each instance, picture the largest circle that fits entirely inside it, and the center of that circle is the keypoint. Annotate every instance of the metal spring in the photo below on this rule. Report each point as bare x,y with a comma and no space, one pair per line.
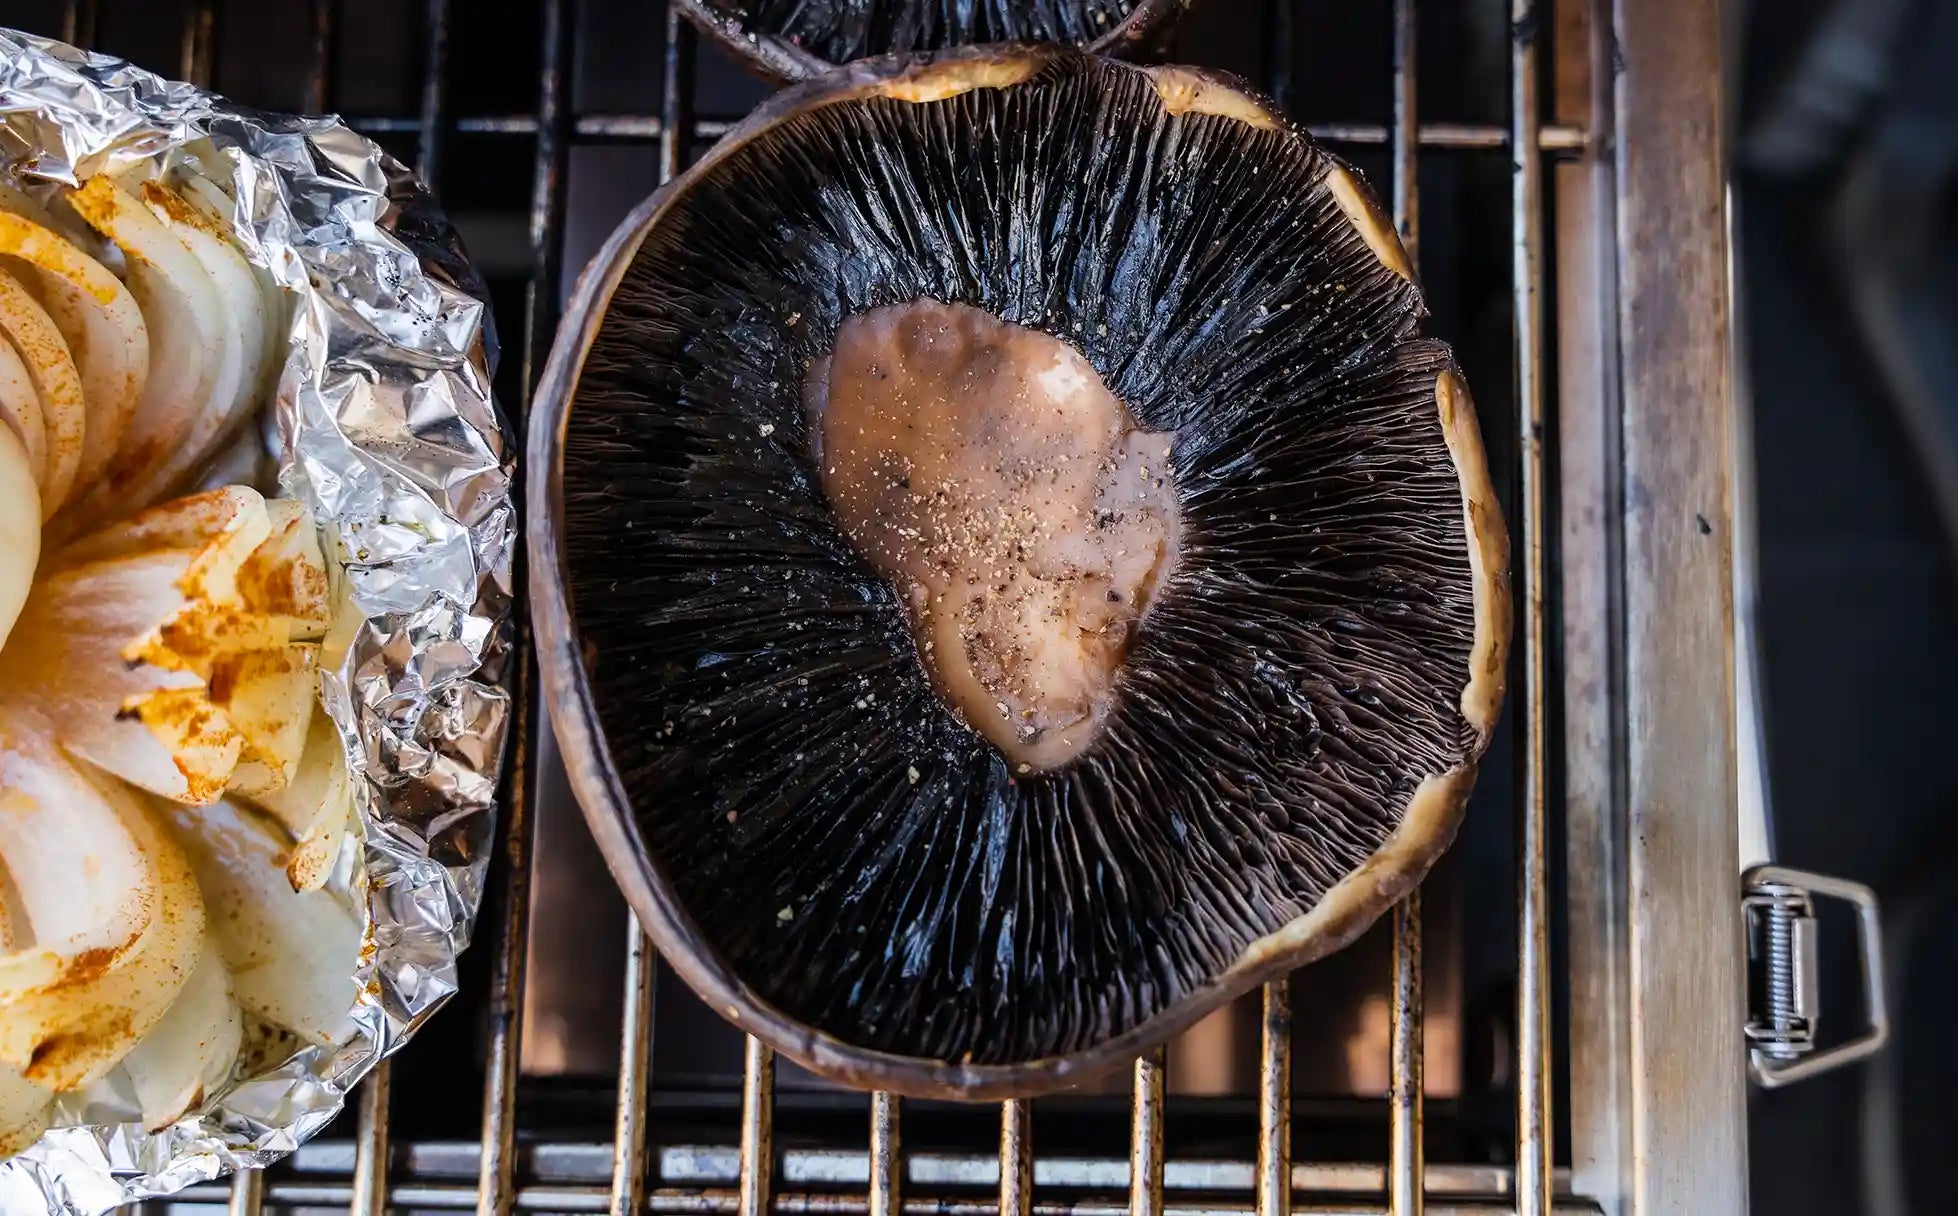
1779,1027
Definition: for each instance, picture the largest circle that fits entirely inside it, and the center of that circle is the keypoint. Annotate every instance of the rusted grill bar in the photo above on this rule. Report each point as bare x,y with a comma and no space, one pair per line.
642,962
496,1178
886,1156
1405,1172
1146,1137
680,1202
78,21
1015,1158
1273,1187
319,37
635,1074
194,54
1532,884
757,1129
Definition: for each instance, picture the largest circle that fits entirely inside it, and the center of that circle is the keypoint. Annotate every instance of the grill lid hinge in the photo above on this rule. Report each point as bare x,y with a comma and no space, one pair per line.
1784,998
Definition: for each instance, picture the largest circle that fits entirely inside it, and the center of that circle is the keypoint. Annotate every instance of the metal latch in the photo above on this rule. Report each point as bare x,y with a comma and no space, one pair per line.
1784,1001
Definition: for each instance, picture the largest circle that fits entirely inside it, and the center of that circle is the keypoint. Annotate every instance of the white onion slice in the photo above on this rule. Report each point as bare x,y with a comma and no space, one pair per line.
224,526
24,1110
61,219
292,954
99,320
241,365
314,806
217,205
52,367
189,346
286,575
270,699
104,915
20,529
186,1056
120,651
20,410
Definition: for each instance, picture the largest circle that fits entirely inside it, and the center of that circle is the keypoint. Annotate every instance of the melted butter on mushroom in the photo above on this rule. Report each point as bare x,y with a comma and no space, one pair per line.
1026,520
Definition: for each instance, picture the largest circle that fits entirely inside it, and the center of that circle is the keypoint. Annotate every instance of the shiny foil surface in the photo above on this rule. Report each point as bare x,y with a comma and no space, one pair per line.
383,423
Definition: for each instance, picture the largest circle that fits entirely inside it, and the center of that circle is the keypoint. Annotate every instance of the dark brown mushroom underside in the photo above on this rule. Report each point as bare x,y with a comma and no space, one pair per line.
857,856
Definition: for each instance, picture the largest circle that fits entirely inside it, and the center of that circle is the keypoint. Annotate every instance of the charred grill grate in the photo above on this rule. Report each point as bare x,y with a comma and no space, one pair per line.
1563,141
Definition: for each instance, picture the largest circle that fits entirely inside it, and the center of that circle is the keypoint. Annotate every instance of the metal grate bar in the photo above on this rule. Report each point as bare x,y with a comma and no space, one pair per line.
1015,1158
196,51
1533,1146
886,1156
680,1202
1406,1172
1439,136
547,190
715,1166
676,90
1146,1136
1279,53
320,44
635,1074
642,962
370,1197
432,124
1273,1184
247,1196
79,21
1406,1161
496,1183
757,1129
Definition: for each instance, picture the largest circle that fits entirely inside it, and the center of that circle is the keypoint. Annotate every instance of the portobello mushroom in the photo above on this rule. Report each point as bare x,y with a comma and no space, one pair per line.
788,40
1010,575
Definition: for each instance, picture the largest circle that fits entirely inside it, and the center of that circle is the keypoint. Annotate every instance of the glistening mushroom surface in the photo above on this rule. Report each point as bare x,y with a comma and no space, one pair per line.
858,858
1023,518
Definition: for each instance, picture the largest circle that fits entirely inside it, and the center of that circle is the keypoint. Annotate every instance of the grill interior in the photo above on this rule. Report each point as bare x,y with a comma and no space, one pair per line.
570,1075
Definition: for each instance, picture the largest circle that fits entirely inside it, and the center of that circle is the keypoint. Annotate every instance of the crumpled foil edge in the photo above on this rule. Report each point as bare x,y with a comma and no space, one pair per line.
386,428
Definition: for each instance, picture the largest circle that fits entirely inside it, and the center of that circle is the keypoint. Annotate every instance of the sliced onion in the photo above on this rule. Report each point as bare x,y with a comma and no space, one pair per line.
99,320
244,460
189,346
59,218
186,1056
269,695
105,918
20,410
314,807
286,575
292,954
20,529
52,367
120,651
24,1110
223,526
235,390
218,206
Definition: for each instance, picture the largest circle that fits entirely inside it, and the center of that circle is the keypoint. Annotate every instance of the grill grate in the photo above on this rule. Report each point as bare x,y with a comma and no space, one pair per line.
614,1177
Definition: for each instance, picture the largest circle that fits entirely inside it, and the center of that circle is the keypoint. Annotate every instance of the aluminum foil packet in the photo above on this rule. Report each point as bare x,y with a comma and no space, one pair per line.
383,423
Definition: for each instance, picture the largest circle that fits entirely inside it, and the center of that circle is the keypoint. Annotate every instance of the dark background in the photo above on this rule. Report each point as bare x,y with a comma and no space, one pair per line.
1848,209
